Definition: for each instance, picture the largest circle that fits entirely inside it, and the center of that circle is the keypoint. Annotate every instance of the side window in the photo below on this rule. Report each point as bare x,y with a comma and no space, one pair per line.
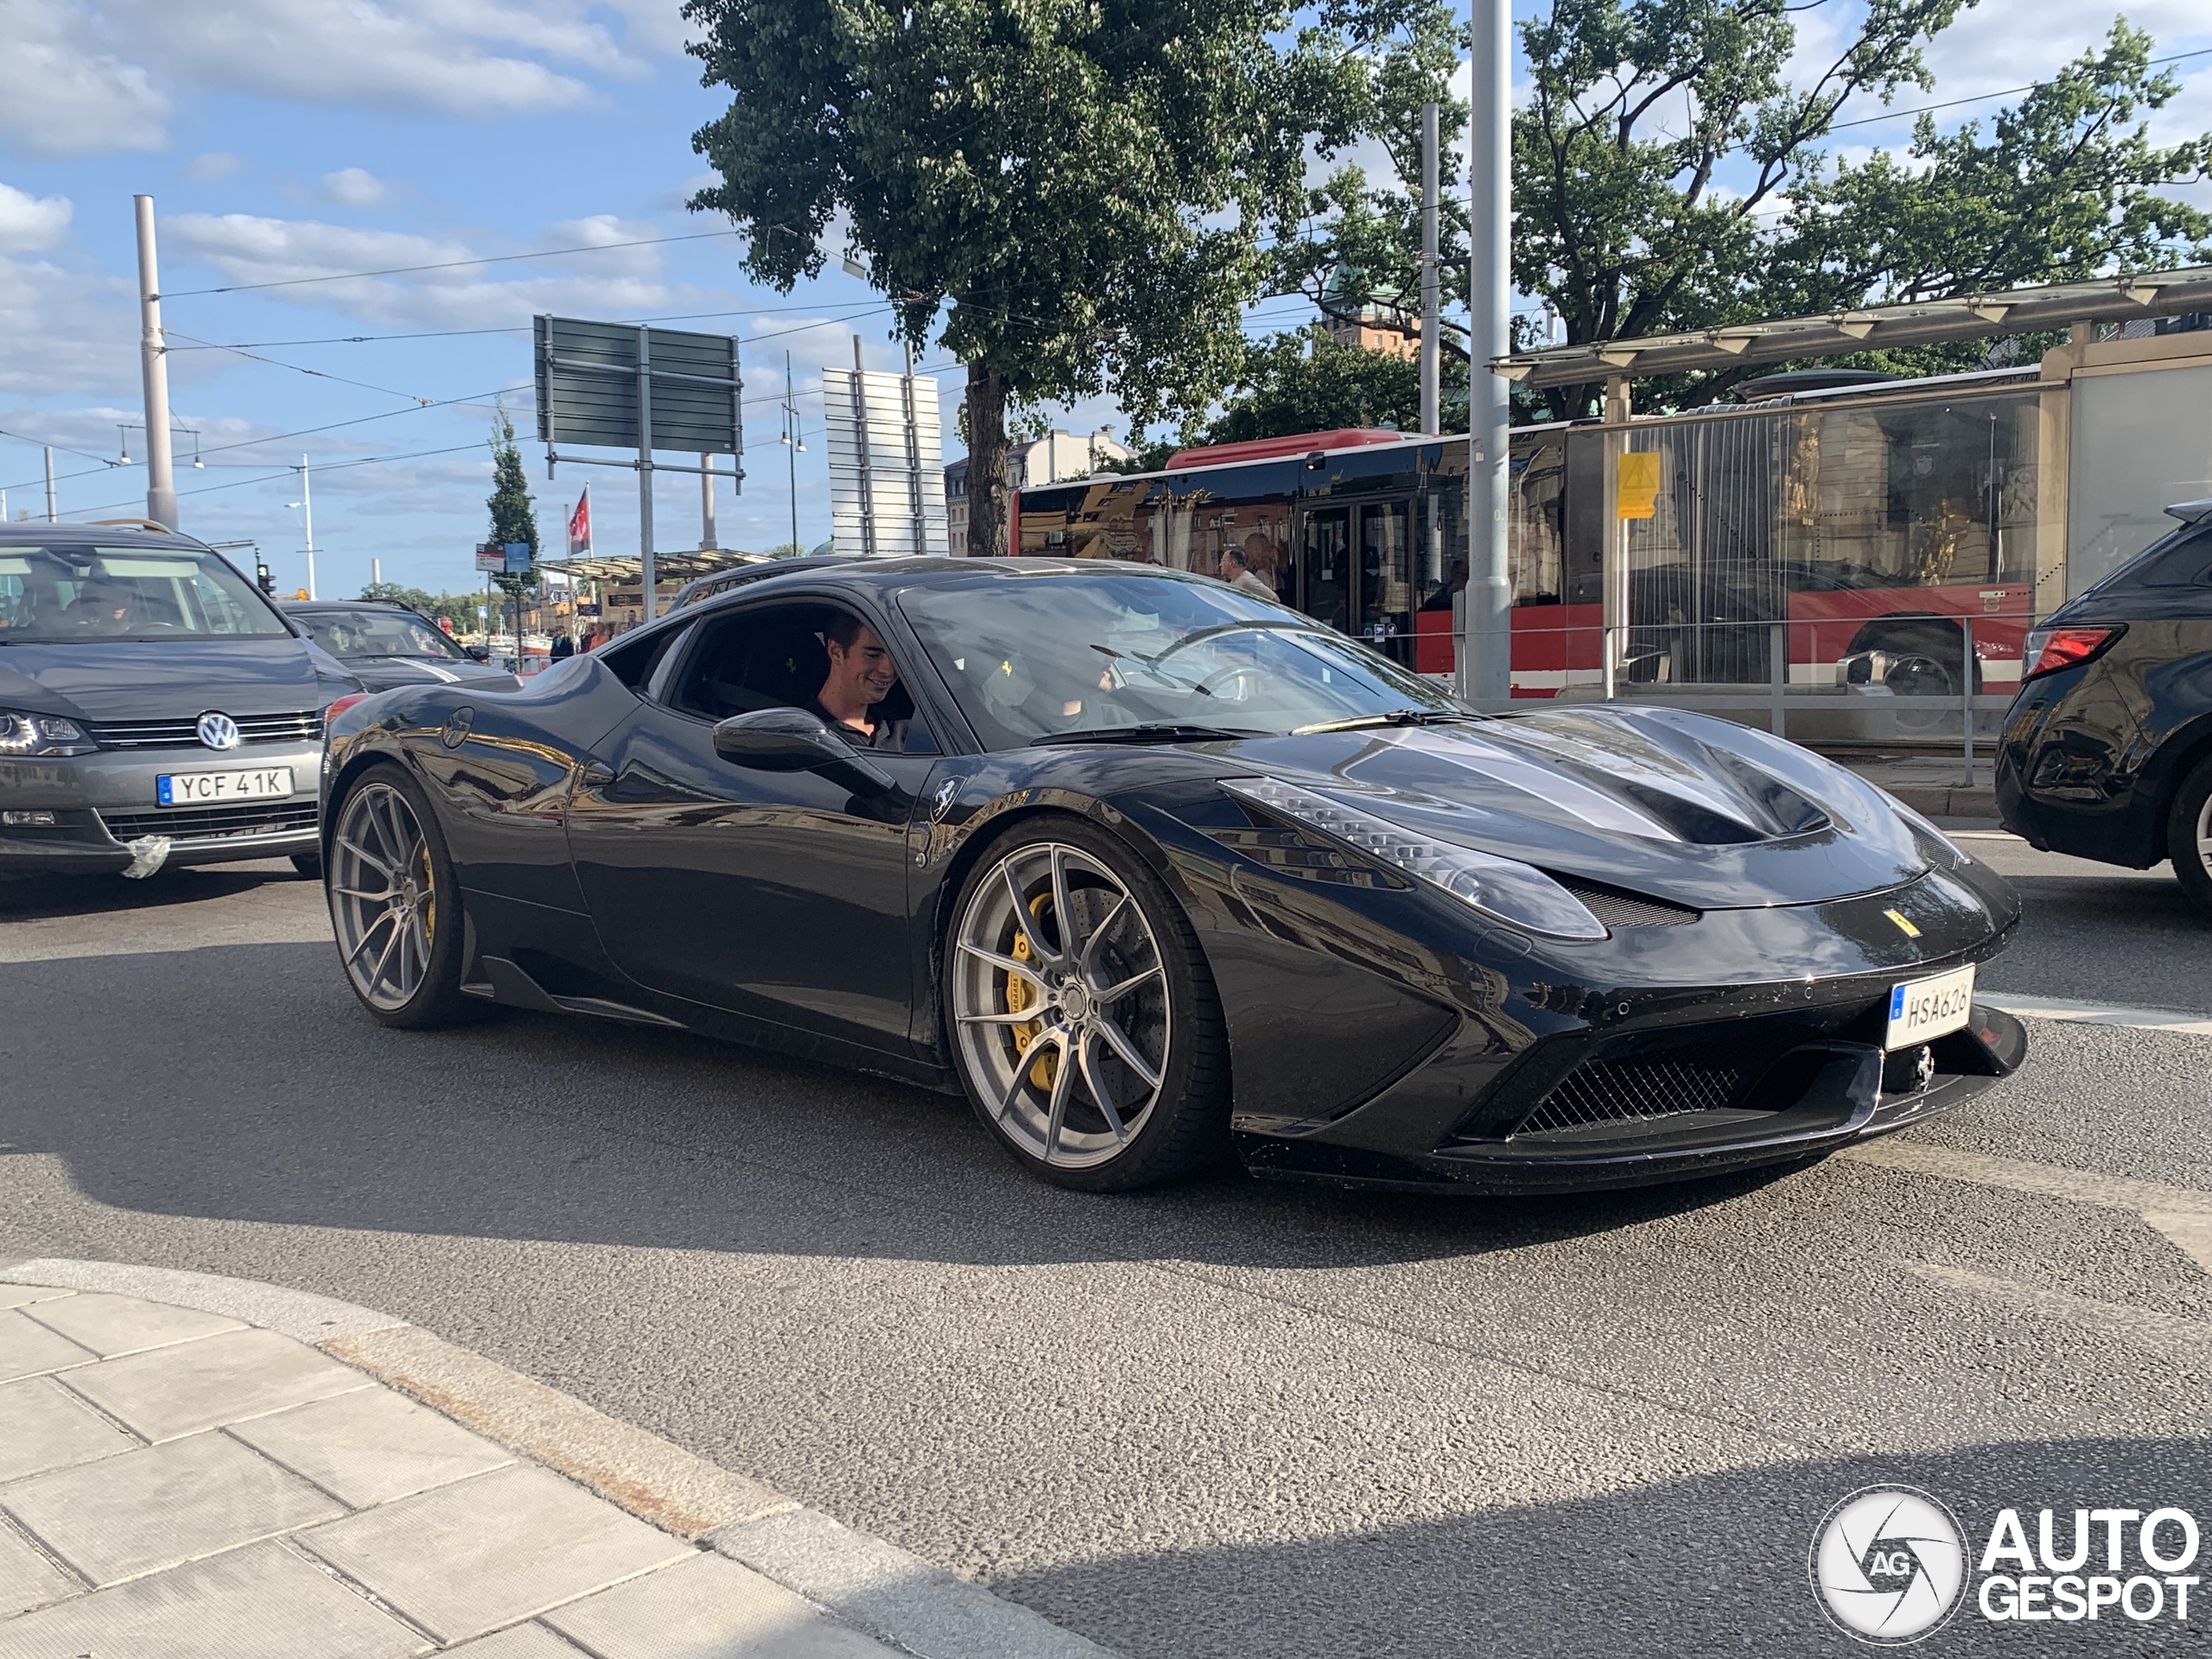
632,661
778,657
2186,563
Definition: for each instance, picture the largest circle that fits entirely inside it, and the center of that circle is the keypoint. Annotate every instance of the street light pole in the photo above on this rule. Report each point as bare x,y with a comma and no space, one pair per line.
161,484
791,448
1485,643
52,516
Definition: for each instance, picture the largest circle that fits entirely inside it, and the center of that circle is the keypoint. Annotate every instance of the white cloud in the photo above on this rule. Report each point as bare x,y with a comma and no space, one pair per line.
81,77
31,224
215,165
354,186
64,88
248,248
66,328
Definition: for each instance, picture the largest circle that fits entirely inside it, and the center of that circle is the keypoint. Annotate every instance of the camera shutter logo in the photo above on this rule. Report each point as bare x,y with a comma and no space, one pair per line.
219,731
1889,1565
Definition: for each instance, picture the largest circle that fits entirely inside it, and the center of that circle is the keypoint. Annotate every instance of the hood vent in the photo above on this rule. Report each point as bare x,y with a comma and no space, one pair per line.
1617,909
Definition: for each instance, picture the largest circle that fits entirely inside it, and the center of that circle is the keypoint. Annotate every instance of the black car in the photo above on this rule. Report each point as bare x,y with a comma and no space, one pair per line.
1149,867
385,644
2107,750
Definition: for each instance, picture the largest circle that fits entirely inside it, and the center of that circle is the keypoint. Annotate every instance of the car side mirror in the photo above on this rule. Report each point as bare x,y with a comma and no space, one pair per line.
477,653
792,740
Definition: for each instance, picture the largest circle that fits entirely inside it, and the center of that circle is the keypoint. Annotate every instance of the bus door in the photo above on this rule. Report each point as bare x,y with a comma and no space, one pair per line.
1355,570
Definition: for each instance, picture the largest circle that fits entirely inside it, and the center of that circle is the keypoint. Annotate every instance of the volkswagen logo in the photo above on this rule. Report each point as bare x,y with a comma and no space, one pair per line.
1888,1565
219,731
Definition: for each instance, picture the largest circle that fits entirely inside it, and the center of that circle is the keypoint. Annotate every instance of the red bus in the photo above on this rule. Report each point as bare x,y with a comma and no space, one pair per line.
1897,534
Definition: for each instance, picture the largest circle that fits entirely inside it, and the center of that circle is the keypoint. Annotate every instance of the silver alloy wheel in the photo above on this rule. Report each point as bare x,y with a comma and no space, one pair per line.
1060,1004
2204,835
383,903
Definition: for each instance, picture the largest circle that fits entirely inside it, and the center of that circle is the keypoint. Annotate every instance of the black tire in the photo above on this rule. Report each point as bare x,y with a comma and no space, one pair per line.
1185,1125
308,864
435,999
2188,835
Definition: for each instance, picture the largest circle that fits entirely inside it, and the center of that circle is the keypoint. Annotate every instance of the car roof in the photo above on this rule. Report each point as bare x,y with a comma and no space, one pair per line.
892,572
35,534
345,605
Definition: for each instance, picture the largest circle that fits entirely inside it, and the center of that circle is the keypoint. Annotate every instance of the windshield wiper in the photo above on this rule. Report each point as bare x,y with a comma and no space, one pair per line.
1162,733
1395,717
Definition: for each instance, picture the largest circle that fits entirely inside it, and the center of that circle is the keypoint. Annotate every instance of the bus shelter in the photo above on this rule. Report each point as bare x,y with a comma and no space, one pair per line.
1845,564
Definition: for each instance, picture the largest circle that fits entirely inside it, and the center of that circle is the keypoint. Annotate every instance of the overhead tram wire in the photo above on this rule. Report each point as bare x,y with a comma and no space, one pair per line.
271,478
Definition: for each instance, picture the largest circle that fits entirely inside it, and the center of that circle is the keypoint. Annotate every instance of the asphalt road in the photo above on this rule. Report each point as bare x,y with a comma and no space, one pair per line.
1233,1418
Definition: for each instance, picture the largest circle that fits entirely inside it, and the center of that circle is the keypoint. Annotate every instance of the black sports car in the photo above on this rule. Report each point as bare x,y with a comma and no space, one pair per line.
2107,750
386,645
1151,868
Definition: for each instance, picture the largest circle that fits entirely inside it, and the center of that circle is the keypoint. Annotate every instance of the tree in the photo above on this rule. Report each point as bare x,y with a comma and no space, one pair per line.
1659,136
514,518
1079,191
1310,382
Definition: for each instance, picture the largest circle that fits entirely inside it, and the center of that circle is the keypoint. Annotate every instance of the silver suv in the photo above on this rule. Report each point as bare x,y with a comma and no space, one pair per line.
154,706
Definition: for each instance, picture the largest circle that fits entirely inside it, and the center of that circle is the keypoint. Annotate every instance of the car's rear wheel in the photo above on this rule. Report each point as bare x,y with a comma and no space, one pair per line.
394,902
1081,1015
2189,834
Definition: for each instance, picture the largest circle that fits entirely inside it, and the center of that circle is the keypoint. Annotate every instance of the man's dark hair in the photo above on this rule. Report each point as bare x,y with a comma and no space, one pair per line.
843,629
1233,551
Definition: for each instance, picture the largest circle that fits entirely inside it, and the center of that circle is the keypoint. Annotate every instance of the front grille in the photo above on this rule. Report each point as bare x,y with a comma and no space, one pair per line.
303,727
1617,909
1628,1091
213,822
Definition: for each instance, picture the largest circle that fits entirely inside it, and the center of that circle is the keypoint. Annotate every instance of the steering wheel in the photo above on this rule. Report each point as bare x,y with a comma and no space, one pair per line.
1207,687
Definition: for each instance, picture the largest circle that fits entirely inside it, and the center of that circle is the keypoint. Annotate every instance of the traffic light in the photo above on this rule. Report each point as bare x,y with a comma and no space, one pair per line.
261,575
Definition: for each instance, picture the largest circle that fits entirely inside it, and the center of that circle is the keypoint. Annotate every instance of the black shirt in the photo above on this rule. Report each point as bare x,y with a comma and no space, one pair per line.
890,735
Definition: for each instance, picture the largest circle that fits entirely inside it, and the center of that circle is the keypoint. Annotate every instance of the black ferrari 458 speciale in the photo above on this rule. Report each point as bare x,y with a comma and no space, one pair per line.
1152,869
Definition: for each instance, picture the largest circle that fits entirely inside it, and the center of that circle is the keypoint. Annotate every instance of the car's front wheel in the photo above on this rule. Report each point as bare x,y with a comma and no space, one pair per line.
394,902
1081,1015
2189,834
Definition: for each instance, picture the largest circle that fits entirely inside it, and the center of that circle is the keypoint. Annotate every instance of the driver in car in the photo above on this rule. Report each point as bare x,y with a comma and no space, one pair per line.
861,677
103,608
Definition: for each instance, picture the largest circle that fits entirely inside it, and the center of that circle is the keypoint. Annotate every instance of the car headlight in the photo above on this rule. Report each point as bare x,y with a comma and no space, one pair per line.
24,736
1503,887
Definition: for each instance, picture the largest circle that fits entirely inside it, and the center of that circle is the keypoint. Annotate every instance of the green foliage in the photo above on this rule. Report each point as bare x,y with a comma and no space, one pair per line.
1066,195
513,517
461,607
1309,383
1636,109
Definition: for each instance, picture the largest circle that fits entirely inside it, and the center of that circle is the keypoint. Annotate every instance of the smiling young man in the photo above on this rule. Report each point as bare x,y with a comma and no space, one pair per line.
861,677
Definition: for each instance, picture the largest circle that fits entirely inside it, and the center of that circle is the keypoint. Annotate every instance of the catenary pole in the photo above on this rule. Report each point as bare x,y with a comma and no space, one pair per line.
153,356
1485,654
652,595
791,448
52,516
306,506
1431,325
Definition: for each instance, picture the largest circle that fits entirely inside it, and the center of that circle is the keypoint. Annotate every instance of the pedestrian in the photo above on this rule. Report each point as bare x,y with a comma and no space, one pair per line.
563,648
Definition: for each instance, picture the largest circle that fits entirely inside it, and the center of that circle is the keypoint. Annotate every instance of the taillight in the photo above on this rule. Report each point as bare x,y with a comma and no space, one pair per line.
2065,648
339,705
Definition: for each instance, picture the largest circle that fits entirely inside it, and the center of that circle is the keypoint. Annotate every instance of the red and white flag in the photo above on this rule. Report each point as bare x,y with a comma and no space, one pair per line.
580,526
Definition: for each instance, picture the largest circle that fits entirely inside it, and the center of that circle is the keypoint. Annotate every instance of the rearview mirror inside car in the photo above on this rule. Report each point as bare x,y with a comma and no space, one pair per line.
792,740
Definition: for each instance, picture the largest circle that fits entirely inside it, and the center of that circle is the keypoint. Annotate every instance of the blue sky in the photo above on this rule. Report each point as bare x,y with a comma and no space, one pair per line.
289,138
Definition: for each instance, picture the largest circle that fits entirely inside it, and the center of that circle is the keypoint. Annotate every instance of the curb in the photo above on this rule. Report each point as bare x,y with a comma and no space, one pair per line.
873,1585
1946,801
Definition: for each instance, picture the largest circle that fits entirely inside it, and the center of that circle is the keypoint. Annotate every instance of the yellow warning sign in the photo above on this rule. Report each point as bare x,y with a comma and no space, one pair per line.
1638,487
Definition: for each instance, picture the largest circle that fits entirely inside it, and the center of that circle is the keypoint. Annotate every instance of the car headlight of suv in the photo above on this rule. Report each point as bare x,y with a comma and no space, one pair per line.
1502,887
37,736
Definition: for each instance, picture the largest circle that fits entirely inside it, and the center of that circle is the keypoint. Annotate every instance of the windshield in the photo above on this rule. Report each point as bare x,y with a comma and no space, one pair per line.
80,595
1065,653
373,630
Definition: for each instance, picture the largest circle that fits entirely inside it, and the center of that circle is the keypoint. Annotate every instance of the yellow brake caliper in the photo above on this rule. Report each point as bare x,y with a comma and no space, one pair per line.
1019,995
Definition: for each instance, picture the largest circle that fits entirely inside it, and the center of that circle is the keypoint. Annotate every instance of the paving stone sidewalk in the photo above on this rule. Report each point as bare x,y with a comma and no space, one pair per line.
176,1484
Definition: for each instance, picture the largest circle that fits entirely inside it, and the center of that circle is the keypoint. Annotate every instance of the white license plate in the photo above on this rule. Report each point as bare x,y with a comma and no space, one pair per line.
218,788
1922,1009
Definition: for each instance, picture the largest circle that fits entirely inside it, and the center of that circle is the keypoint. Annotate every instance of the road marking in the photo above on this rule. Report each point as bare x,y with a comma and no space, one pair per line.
2182,1215
2165,1334
2102,1014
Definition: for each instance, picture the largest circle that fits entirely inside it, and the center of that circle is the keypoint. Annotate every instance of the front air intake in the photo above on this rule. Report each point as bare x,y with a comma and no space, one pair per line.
1629,1091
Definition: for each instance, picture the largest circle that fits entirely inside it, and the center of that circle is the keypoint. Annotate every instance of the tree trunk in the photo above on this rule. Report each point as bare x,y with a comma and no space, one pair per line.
988,495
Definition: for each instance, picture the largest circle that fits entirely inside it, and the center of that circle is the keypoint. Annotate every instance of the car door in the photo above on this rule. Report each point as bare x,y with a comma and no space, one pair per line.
780,895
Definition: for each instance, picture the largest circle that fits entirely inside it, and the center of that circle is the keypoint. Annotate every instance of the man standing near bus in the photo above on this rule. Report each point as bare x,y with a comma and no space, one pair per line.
1235,566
